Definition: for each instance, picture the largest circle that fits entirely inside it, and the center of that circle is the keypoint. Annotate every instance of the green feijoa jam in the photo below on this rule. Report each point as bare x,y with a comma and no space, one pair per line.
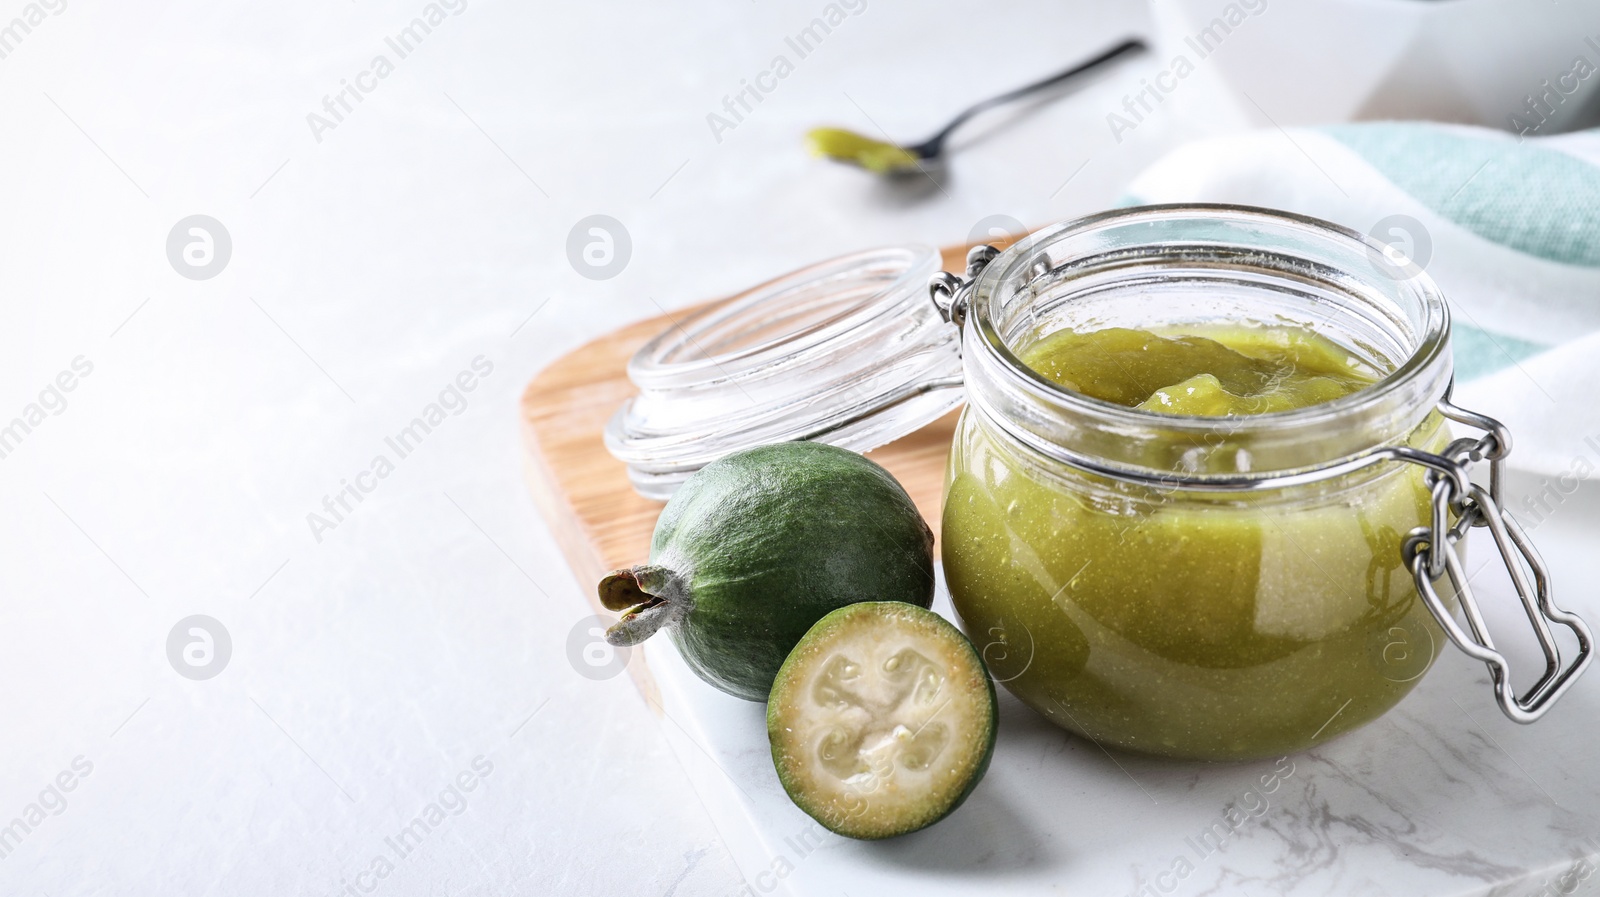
877,156
1186,624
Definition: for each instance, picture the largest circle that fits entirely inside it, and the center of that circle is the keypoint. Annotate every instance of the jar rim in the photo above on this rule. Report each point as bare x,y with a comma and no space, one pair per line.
1017,264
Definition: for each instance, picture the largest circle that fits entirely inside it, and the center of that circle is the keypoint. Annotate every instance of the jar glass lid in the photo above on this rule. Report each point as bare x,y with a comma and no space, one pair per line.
849,351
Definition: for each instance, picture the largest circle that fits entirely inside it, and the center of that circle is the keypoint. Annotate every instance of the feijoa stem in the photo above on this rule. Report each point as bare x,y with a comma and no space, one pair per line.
649,597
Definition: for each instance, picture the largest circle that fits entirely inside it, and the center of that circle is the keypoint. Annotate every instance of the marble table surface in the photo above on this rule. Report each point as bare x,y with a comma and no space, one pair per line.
1441,796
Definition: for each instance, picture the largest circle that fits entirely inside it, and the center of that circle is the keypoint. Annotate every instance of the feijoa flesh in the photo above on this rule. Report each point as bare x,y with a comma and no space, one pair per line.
759,545
882,720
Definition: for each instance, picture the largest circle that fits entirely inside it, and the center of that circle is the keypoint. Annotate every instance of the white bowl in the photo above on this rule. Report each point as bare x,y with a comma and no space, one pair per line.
1320,61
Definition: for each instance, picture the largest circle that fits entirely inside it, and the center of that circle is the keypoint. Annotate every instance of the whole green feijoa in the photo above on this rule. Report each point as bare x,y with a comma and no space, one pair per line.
759,545
882,720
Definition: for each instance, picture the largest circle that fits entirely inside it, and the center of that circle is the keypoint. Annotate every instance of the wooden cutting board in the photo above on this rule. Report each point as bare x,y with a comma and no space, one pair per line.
596,517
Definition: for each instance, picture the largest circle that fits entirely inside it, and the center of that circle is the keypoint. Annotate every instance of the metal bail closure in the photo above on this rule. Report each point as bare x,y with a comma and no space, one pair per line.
950,293
1478,507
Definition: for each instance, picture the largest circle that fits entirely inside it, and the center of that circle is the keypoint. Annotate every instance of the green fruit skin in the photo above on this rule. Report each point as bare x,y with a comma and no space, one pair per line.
842,617
770,539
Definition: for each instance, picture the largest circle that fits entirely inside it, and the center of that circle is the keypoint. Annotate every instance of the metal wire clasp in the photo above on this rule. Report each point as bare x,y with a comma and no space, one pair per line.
950,292
1430,557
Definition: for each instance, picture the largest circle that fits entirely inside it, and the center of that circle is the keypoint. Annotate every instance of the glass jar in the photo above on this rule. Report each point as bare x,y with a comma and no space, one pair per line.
1200,587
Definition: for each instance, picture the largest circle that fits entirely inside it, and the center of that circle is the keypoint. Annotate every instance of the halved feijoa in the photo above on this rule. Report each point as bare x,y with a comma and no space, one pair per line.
882,720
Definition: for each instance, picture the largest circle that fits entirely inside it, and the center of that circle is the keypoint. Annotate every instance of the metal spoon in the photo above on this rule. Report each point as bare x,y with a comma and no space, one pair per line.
883,157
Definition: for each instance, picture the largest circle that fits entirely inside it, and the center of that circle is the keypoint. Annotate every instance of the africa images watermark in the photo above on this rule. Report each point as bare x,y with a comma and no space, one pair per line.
591,656
1252,804
1203,42
1553,492
52,402
19,28
353,91
803,43
801,844
1581,870
198,647
1539,107
451,402
451,801
52,800
599,247
199,247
